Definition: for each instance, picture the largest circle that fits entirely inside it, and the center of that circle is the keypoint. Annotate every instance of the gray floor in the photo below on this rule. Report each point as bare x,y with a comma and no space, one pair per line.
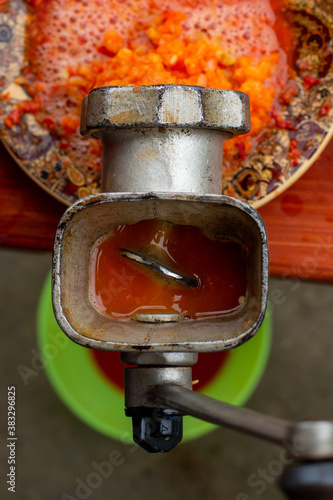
55,451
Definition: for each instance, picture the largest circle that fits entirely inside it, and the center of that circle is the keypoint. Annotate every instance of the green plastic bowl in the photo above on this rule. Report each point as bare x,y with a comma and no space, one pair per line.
94,399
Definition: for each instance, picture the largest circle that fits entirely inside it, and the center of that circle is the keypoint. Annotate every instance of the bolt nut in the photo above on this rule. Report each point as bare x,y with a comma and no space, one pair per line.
159,358
165,106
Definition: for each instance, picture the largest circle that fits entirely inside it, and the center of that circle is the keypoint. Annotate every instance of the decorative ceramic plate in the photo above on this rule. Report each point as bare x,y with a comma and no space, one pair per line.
306,125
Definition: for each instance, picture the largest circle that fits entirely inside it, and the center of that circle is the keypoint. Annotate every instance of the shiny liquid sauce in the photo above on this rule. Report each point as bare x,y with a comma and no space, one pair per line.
121,288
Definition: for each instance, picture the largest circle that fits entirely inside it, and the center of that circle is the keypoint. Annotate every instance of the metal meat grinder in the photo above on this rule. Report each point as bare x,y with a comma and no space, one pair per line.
162,159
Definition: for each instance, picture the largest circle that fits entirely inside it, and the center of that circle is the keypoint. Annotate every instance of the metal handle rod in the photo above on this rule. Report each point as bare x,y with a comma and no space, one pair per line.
220,413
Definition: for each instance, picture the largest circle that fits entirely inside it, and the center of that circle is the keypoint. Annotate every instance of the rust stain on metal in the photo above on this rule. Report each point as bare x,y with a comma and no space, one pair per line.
125,116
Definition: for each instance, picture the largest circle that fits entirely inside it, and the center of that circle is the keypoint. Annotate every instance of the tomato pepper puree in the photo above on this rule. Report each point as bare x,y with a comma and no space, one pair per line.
121,288
76,45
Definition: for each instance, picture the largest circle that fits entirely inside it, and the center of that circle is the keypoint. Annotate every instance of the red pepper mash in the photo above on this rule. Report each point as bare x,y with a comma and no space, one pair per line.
74,46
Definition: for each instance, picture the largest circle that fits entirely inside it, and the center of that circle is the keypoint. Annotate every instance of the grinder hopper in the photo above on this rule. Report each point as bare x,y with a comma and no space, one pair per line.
162,159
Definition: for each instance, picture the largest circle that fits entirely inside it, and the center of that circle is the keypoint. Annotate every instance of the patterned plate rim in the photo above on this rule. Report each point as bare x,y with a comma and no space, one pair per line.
279,185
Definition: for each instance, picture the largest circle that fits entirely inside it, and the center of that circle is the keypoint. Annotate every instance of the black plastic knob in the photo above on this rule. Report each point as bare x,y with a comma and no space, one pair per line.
156,430
308,481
